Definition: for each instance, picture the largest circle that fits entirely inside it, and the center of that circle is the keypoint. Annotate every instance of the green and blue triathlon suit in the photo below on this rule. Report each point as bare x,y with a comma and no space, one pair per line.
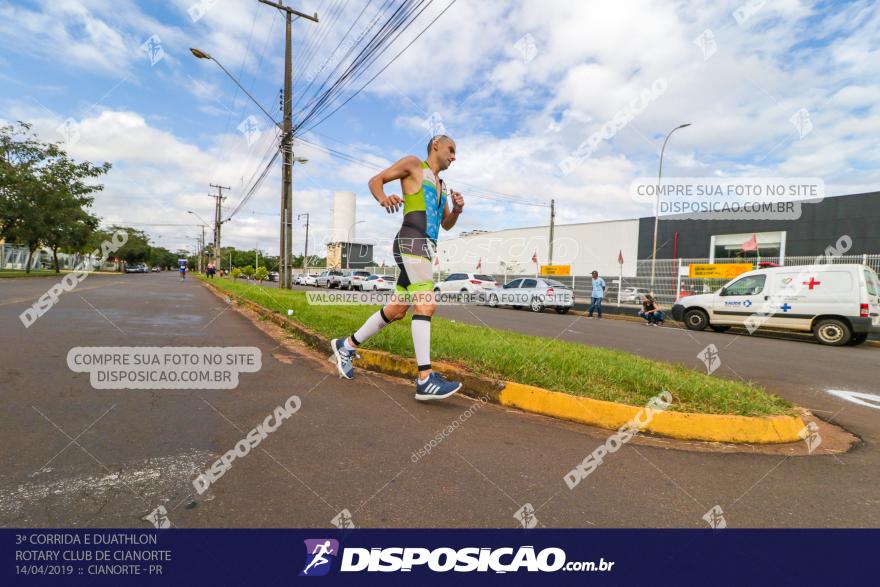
416,242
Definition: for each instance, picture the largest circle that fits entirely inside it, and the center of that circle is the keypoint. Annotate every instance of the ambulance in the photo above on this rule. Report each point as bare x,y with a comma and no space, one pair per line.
839,304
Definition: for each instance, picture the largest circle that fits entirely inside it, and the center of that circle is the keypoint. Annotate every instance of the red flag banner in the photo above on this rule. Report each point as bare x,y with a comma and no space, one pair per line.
620,258
751,244
535,258
479,263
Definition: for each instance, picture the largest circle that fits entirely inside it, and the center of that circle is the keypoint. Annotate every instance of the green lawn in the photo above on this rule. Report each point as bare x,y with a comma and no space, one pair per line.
12,273
574,368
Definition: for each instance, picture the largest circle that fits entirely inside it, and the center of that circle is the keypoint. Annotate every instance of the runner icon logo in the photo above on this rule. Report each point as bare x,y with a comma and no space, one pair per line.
320,554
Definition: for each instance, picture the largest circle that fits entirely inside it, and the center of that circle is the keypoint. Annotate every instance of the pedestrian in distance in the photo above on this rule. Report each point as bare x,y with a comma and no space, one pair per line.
426,208
651,311
597,295
211,270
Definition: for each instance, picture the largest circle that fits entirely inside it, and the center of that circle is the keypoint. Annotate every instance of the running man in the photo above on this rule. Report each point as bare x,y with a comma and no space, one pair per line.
182,269
425,210
320,559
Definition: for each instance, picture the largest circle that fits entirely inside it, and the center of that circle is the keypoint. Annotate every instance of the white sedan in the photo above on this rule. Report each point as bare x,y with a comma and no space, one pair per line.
378,282
535,293
472,283
308,280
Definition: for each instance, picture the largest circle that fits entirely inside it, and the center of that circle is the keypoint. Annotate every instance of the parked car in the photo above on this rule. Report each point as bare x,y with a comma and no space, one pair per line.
329,278
473,283
633,294
309,280
273,276
155,269
322,279
839,304
535,293
297,279
352,279
378,282
335,278
136,268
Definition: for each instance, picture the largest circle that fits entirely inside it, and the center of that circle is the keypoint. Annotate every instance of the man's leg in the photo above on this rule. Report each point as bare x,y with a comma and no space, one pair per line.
592,307
599,307
421,332
375,323
429,385
344,349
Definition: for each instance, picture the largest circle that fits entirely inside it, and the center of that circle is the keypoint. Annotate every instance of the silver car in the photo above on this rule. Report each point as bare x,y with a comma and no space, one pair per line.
353,279
535,293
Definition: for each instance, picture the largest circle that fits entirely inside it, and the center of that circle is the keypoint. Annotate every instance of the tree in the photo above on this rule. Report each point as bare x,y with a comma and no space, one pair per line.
261,273
44,193
247,271
137,248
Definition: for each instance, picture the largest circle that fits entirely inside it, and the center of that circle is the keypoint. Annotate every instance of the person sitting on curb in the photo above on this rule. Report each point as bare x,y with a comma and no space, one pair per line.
651,311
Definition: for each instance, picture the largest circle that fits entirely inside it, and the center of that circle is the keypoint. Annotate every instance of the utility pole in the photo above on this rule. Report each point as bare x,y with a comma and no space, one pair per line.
199,250
286,241
552,222
306,250
217,222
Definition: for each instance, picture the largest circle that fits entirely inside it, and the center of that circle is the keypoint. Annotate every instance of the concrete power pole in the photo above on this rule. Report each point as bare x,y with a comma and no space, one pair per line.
286,240
217,221
306,250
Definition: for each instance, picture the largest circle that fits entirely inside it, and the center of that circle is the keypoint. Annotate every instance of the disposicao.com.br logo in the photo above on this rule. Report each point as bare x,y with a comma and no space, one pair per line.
442,560
320,554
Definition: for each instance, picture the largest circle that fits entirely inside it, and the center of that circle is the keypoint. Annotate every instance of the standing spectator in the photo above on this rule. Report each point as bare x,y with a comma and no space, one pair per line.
597,295
211,270
651,311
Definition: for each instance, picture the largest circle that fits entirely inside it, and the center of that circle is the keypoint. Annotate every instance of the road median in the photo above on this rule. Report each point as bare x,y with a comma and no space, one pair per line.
595,386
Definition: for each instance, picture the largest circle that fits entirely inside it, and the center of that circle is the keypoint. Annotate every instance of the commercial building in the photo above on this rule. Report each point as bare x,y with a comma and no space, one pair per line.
598,245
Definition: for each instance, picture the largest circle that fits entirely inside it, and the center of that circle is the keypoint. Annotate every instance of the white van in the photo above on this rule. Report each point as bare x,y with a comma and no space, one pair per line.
839,304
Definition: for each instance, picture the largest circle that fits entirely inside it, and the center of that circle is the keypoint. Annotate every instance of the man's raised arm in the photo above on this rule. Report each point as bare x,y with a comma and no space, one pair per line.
400,170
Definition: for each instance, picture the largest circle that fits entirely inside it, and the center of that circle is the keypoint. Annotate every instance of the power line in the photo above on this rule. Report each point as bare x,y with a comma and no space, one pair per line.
396,24
408,45
377,18
342,40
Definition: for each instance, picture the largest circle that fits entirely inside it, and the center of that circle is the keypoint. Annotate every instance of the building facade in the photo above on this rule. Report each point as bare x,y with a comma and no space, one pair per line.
596,245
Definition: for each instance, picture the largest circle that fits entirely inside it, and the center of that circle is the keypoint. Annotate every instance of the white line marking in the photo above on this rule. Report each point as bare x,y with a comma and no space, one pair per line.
868,400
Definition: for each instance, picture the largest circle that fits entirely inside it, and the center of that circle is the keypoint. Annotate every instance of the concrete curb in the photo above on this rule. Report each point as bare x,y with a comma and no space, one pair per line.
604,414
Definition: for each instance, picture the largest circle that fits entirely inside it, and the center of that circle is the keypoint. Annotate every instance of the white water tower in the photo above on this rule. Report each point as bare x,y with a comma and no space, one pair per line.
344,216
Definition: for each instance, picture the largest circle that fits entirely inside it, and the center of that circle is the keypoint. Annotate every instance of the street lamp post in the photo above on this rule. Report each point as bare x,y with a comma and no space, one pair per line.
286,127
657,206
348,242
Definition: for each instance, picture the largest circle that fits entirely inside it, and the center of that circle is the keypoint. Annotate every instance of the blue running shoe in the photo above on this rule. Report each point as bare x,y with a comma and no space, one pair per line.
436,387
342,357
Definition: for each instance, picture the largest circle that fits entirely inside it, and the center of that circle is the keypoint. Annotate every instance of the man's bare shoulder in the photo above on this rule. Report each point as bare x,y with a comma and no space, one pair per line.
410,162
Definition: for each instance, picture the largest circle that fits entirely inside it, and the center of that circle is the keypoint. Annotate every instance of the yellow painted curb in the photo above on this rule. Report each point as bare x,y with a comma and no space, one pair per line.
682,425
605,414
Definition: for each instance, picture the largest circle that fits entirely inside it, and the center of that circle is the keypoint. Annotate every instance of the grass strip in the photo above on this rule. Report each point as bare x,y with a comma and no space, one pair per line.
568,367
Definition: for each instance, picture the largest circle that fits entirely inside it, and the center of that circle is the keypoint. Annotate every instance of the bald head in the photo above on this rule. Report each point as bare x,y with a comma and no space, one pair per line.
442,148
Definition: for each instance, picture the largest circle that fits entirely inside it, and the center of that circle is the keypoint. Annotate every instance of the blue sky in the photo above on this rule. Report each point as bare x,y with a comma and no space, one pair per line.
520,85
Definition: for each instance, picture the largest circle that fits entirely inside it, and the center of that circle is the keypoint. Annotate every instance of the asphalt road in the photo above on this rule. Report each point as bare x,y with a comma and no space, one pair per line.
77,456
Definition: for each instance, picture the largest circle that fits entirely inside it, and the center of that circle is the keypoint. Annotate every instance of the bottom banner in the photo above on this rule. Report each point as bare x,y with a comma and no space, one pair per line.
364,556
